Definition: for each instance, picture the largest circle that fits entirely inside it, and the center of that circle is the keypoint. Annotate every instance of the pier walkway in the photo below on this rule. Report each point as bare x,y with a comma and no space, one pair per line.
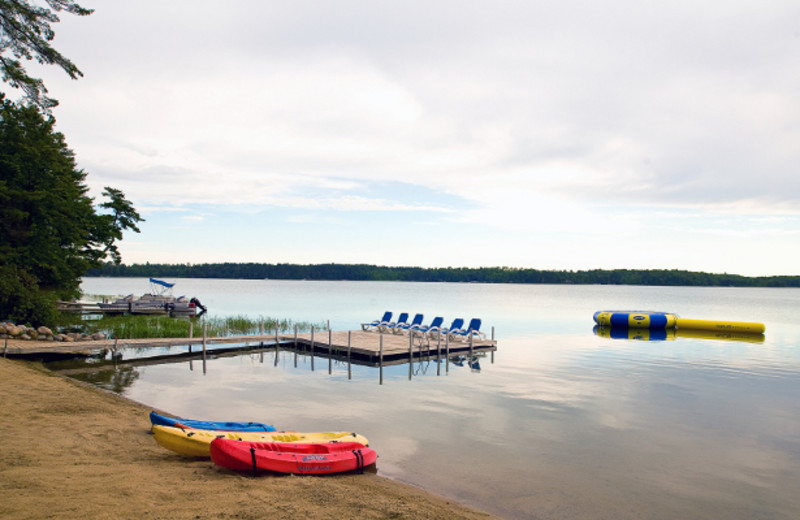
370,347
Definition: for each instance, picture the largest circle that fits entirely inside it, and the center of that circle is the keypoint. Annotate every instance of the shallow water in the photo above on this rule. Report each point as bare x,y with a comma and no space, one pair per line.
559,423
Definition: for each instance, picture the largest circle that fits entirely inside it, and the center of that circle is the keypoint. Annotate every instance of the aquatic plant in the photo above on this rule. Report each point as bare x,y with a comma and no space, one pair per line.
140,327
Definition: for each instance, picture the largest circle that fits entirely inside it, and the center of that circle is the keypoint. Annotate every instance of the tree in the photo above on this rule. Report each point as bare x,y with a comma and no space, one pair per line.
50,233
123,216
25,33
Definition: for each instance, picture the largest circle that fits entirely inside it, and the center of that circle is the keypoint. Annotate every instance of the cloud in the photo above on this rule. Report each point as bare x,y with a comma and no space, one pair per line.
521,117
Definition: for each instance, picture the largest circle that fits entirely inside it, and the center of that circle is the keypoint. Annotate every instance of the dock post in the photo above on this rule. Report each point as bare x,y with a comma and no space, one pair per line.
493,344
295,336
381,361
349,366
438,357
261,327
447,353
277,344
470,344
205,325
312,348
410,353
330,350
5,348
191,329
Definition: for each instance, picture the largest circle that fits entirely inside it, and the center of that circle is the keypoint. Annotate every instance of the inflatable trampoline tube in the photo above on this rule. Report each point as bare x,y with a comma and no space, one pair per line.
636,319
746,327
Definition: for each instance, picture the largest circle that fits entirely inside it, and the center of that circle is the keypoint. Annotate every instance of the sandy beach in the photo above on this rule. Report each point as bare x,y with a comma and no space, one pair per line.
71,450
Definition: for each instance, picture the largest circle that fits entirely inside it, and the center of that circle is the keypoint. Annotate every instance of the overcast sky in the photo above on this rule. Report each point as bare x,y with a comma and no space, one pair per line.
550,135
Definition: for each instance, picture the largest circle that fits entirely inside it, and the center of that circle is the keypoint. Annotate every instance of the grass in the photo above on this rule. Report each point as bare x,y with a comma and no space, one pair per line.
139,327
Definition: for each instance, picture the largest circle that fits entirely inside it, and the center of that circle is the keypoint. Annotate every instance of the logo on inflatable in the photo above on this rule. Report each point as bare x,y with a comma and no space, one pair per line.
314,457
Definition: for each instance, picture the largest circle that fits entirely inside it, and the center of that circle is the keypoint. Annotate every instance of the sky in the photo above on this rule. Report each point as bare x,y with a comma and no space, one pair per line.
548,135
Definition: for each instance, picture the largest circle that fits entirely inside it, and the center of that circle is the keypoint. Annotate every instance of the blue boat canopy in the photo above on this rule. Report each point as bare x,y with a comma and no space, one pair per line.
161,282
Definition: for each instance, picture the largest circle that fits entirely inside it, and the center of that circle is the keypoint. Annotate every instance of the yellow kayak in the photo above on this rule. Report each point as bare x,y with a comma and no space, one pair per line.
197,443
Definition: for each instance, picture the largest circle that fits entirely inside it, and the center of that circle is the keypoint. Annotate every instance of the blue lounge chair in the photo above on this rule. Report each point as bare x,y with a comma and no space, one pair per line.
389,326
403,327
433,328
472,330
456,325
387,317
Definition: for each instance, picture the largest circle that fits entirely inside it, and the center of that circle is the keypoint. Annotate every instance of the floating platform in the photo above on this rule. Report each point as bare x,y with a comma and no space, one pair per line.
665,320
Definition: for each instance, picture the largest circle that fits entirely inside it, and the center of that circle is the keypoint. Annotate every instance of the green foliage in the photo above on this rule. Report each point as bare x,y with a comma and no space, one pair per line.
123,216
26,32
46,217
141,327
22,300
253,271
50,233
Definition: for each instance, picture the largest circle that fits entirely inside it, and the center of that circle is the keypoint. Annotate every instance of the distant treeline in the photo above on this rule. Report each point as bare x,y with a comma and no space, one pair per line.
254,271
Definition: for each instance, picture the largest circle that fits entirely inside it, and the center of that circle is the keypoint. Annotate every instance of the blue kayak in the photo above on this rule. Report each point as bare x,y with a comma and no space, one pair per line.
163,420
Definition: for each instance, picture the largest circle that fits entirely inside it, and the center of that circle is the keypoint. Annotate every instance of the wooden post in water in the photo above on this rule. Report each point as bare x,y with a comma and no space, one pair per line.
191,329
330,350
205,326
277,344
380,361
438,356
312,348
349,366
447,353
493,344
410,353
295,345
5,347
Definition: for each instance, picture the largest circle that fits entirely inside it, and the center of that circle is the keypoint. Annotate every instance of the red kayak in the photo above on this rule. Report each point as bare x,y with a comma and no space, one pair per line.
282,457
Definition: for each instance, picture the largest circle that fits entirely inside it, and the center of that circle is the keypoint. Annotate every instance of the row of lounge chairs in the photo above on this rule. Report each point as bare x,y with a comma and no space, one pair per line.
402,326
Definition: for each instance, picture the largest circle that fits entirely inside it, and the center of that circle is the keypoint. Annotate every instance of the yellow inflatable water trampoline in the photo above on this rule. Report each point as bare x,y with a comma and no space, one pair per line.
665,320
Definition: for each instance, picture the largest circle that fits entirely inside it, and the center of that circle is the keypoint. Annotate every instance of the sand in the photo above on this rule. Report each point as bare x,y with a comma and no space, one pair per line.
70,450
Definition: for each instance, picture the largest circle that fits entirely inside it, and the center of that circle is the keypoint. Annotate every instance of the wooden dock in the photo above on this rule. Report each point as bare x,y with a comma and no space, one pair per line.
366,347
374,347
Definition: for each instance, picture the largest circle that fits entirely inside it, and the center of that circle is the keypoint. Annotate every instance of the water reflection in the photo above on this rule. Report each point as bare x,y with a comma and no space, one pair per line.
672,334
118,369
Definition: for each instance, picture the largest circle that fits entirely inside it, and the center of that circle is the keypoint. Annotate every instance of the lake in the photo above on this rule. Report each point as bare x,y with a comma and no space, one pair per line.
558,423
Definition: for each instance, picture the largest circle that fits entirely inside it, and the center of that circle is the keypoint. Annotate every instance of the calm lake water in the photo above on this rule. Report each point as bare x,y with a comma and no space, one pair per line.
560,423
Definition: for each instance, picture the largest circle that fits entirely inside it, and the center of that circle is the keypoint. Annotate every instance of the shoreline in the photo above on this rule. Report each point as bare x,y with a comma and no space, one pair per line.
72,450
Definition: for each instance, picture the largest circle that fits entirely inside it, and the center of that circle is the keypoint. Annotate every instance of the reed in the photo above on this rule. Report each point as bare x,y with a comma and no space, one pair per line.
142,327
